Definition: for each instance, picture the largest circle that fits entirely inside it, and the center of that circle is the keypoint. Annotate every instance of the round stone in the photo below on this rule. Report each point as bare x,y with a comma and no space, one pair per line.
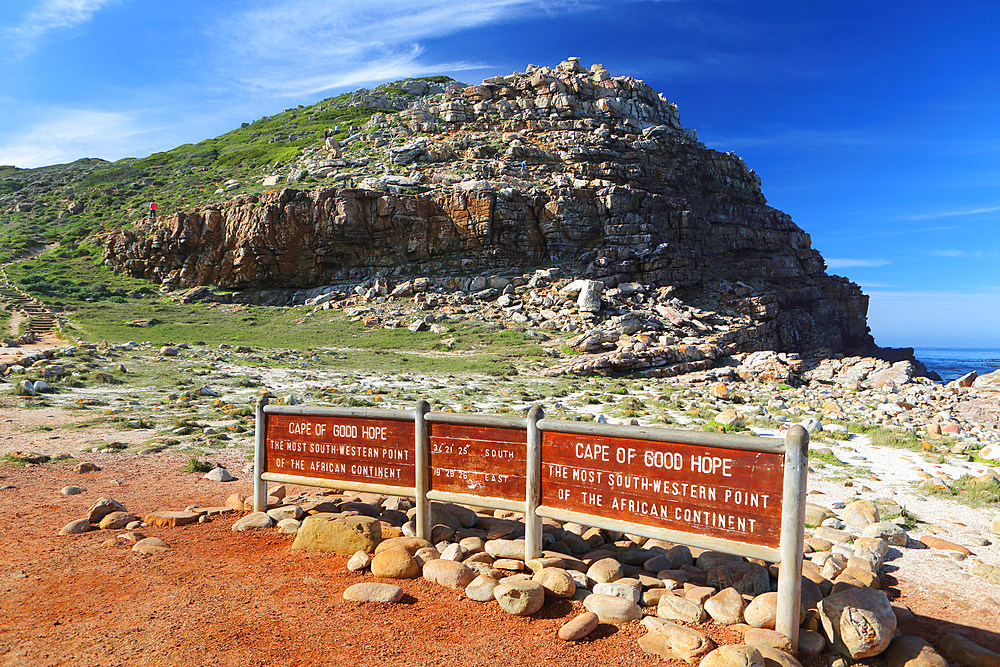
254,521
481,588
605,570
556,582
612,609
150,546
520,598
579,627
448,573
289,525
370,591
395,563
626,588
762,611
77,527
359,561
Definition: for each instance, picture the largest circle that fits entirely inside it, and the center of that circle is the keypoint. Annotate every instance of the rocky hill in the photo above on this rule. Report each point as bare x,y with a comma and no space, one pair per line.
565,166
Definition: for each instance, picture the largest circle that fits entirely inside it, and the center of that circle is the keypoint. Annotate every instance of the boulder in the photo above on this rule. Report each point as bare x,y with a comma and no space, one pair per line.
450,573
77,527
253,521
370,591
103,507
411,544
481,588
520,598
910,651
675,608
556,582
605,570
671,641
169,518
626,588
579,627
612,609
395,563
964,651
762,612
775,657
150,546
860,513
116,520
858,622
726,606
733,655
748,578
342,535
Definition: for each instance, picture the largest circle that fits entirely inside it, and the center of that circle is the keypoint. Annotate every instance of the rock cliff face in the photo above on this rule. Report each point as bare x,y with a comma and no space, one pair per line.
562,166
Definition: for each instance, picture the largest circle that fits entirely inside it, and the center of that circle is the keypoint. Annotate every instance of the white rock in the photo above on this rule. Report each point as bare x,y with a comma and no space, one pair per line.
219,475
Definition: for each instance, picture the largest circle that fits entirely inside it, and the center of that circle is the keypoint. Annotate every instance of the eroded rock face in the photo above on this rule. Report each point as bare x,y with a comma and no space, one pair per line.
553,165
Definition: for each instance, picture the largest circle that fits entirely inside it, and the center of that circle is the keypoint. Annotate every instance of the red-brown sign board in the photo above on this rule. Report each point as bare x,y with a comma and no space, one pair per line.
346,449
478,460
726,493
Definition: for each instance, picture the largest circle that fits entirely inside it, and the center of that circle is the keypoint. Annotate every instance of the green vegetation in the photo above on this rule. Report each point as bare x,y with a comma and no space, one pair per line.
24,458
76,200
195,464
975,491
73,274
713,425
887,437
909,520
826,456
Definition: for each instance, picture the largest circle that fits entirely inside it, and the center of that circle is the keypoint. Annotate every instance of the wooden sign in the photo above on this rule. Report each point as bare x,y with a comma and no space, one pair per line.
732,494
478,460
370,451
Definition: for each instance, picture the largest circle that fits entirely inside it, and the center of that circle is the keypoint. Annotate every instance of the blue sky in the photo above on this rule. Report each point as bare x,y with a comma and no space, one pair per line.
875,125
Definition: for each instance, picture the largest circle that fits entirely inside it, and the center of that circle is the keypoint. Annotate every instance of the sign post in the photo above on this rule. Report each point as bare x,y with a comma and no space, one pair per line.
736,494
793,515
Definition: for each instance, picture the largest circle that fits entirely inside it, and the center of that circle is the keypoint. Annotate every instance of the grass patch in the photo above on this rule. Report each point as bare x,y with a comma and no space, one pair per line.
724,428
25,458
977,492
827,457
909,520
881,436
195,464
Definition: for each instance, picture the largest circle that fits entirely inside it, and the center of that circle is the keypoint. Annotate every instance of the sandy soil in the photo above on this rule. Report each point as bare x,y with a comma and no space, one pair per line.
220,598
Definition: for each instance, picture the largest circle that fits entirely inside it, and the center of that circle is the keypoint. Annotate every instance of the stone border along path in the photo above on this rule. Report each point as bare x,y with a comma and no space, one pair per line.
40,318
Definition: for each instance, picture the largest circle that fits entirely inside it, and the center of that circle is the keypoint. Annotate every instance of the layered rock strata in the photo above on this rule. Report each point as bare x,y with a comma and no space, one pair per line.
565,165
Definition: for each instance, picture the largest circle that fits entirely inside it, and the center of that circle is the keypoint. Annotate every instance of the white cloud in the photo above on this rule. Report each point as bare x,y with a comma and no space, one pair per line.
842,263
52,15
945,253
979,210
799,139
69,134
297,47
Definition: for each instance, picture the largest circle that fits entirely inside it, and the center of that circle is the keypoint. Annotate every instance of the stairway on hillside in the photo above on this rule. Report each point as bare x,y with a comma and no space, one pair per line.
40,320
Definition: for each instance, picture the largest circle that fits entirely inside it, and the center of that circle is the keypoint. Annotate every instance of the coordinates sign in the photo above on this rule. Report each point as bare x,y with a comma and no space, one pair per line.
727,493
373,451
480,460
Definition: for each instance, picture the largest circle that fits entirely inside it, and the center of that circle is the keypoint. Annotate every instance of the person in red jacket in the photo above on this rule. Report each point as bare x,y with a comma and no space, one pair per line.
152,210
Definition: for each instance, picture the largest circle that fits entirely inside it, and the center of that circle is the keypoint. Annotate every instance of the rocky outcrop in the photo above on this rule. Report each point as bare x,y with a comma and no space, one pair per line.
564,165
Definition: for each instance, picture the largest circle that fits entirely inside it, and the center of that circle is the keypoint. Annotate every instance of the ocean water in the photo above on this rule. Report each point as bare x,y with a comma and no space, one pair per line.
954,362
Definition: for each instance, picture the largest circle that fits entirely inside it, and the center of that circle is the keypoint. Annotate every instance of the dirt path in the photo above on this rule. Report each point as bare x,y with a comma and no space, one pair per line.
47,341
